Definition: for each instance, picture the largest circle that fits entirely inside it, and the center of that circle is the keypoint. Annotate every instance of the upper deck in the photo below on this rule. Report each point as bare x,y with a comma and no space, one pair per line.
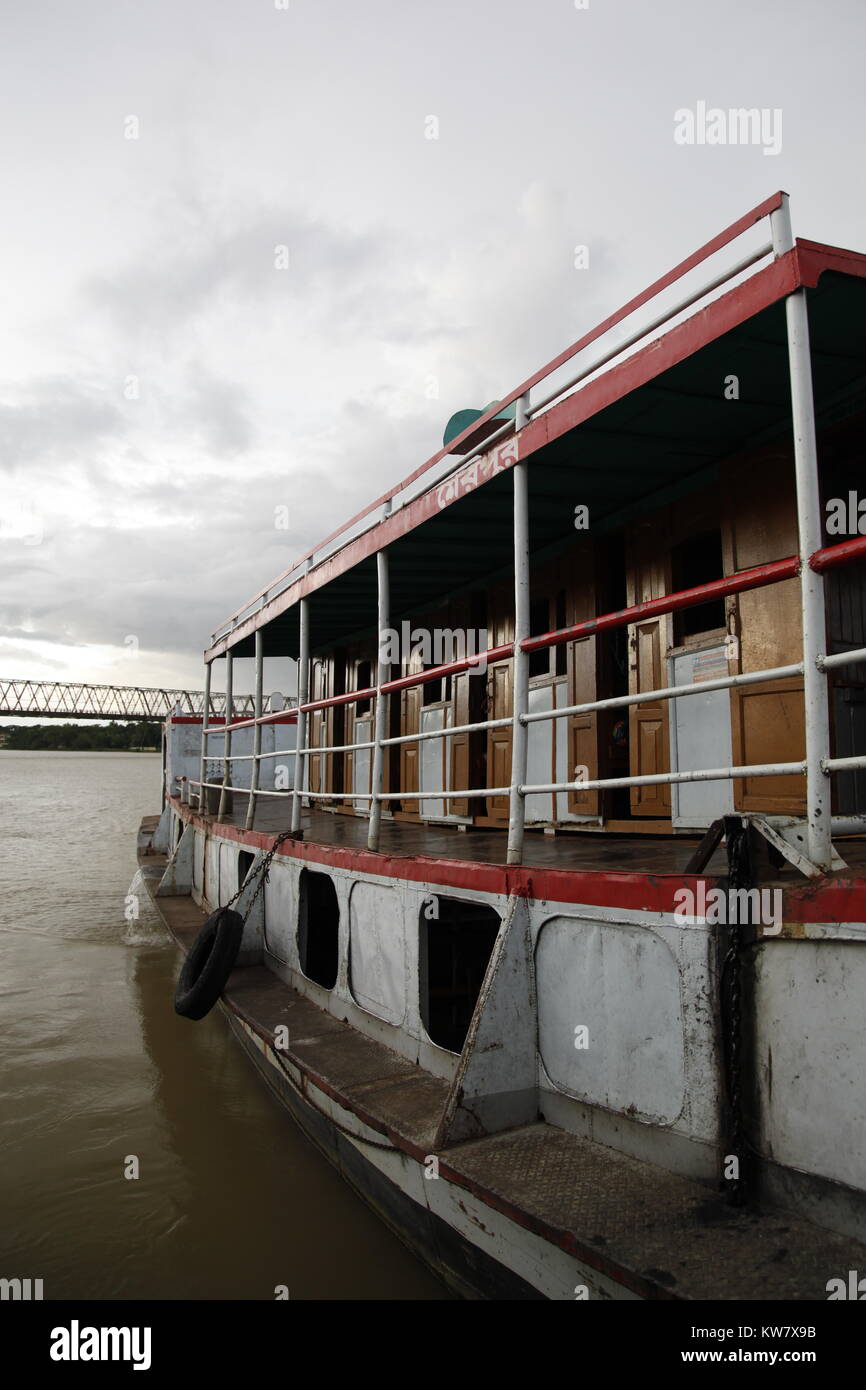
618,389
649,527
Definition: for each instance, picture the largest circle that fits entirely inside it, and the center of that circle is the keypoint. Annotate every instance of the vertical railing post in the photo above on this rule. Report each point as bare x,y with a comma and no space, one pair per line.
257,733
520,665
383,671
222,813
205,721
303,697
812,603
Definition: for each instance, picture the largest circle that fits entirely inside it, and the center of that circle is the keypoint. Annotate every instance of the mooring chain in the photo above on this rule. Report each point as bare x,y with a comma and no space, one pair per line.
260,872
731,972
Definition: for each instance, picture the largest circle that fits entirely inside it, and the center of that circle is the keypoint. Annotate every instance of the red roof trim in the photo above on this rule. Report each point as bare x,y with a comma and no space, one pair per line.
717,318
710,248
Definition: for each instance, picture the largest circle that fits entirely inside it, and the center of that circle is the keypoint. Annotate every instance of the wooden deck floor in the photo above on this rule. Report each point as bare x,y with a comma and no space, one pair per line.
586,851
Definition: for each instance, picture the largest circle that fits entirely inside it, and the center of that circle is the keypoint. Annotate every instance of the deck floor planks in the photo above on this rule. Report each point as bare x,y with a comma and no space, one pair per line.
575,851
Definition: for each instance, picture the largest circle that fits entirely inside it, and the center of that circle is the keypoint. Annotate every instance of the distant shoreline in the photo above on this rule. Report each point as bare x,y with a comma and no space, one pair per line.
118,736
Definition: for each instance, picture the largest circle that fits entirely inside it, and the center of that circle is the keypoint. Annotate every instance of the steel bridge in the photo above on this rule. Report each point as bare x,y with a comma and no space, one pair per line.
63,700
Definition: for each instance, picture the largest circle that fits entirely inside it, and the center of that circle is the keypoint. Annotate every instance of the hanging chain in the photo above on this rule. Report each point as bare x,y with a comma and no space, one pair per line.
260,872
739,875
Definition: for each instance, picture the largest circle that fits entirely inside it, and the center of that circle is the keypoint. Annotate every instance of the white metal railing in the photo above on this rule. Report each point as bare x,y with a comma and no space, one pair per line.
798,767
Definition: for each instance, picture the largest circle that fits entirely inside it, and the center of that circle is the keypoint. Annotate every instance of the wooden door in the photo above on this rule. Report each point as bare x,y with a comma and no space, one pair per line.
318,732
461,693
767,720
582,681
410,714
649,744
583,728
499,706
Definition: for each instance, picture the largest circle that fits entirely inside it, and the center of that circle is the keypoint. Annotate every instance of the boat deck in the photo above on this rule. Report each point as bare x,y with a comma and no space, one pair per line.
574,851
656,1234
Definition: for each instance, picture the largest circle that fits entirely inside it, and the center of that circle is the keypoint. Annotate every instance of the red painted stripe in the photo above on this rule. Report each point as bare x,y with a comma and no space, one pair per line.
220,719
816,256
842,900
832,556
451,668
281,718
839,900
639,892
755,578
348,699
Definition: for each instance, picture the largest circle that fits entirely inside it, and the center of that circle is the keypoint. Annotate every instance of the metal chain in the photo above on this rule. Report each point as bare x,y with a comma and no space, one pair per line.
260,872
738,876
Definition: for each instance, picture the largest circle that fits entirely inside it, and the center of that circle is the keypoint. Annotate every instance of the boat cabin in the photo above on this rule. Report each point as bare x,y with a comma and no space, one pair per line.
640,524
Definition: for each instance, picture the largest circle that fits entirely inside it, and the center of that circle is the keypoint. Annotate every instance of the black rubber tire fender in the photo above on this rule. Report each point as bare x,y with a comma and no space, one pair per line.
209,963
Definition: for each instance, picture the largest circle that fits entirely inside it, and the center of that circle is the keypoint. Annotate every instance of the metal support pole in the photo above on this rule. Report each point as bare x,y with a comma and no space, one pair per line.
257,733
303,697
205,721
520,672
815,689
223,813
382,702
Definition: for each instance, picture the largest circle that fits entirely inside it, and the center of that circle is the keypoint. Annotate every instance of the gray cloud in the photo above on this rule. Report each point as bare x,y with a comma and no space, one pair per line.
423,276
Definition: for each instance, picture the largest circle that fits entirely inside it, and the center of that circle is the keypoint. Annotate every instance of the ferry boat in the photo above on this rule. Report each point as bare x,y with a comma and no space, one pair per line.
542,906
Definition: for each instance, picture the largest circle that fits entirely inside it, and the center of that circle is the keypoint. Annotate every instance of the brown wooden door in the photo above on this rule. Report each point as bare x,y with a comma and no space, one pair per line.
318,735
582,667
767,720
410,713
583,728
499,705
460,744
649,744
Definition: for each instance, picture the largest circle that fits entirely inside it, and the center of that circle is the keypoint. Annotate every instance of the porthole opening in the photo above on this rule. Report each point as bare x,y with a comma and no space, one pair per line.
456,941
245,863
318,928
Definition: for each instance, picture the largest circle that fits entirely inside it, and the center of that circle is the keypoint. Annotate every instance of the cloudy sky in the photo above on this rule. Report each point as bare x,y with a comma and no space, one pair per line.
256,252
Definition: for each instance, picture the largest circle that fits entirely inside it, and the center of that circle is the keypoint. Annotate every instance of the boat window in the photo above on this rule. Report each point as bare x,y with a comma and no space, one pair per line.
698,560
320,680
561,652
433,692
245,863
456,941
363,682
539,623
318,928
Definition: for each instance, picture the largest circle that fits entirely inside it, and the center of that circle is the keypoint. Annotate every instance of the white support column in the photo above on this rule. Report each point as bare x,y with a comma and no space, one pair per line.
257,733
303,697
223,813
812,602
520,665
383,671
205,721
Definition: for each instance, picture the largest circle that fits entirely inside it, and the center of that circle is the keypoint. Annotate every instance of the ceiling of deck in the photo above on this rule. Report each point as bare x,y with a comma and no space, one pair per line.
661,441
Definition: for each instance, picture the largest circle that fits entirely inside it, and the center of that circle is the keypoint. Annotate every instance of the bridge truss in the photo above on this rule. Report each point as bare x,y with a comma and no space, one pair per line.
62,700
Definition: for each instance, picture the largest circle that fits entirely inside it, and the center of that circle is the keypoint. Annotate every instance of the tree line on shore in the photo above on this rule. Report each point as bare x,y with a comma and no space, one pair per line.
138,735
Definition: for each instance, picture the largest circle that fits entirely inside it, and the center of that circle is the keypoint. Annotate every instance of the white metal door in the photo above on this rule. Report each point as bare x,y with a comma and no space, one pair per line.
700,730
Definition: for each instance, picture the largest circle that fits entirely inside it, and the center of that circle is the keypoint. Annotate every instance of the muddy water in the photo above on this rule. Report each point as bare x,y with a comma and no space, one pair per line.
231,1200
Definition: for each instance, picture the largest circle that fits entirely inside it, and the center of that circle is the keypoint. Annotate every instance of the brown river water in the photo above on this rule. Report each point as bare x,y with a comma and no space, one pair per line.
231,1200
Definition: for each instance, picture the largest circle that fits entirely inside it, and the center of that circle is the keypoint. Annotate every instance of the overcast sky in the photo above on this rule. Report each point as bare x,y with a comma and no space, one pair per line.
166,381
